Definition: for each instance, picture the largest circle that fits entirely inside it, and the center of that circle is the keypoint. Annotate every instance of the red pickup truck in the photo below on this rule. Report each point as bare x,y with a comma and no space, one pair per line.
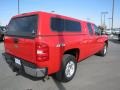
41,43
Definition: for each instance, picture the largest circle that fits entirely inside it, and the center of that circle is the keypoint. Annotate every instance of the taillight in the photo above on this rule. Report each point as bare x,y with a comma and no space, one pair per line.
42,52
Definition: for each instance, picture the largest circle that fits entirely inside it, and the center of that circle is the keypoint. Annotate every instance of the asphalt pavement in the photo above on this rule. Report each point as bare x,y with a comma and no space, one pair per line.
94,73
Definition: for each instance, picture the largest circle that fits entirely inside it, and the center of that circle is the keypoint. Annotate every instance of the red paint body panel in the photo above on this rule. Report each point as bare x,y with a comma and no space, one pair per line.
22,49
87,44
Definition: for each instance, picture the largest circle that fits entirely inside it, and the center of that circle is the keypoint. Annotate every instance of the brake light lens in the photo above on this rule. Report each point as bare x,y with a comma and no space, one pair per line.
42,52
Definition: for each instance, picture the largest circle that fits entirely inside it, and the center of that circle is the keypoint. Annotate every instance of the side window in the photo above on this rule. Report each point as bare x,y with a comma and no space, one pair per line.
97,30
60,25
90,28
72,26
57,24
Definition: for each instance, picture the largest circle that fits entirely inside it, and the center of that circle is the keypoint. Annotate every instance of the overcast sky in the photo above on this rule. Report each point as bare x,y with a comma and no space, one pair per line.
80,9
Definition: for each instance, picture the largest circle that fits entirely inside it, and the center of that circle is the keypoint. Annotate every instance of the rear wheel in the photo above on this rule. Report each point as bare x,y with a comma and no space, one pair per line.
68,68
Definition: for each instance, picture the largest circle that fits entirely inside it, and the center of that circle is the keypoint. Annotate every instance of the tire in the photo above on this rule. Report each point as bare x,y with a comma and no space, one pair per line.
119,37
68,68
1,37
103,51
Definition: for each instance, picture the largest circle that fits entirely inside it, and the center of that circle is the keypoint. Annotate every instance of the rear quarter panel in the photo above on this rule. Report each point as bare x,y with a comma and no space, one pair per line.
52,39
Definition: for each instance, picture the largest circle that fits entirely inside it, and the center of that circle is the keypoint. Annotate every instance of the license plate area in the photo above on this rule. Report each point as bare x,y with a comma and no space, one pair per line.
17,61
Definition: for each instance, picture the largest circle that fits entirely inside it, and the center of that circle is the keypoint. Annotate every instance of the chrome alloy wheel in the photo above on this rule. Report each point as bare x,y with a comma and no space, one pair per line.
70,69
105,49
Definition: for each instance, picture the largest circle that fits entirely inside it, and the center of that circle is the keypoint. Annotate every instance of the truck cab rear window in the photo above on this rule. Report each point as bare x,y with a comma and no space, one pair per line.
61,25
23,26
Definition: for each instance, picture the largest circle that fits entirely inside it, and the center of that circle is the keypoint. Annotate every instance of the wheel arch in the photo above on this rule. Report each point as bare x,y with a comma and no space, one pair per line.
106,42
75,52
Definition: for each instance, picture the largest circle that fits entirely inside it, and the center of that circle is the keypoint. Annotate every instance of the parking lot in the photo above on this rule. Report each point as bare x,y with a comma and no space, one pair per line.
94,73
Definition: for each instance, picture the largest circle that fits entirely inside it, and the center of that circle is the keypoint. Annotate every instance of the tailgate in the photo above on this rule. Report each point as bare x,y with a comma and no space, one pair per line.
21,47
20,37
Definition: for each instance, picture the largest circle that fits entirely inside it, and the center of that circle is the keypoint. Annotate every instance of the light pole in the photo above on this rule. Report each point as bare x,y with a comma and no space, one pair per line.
18,7
101,18
109,22
103,13
113,13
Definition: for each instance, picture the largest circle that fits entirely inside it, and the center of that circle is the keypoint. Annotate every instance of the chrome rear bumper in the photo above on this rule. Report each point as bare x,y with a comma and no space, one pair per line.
36,72
25,66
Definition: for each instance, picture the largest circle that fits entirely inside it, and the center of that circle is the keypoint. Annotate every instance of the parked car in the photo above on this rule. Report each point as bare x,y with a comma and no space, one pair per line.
2,31
116,32
41,43
108,31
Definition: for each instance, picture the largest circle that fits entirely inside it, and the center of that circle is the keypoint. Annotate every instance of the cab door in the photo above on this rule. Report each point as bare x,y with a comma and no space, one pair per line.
90,40
99,41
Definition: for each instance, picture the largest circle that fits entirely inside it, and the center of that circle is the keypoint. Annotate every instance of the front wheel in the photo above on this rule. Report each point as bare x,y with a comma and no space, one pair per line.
1,37
119,37
103,51
68,68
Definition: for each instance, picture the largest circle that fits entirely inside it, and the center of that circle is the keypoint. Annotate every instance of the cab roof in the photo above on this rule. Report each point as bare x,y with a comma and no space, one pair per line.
50,13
